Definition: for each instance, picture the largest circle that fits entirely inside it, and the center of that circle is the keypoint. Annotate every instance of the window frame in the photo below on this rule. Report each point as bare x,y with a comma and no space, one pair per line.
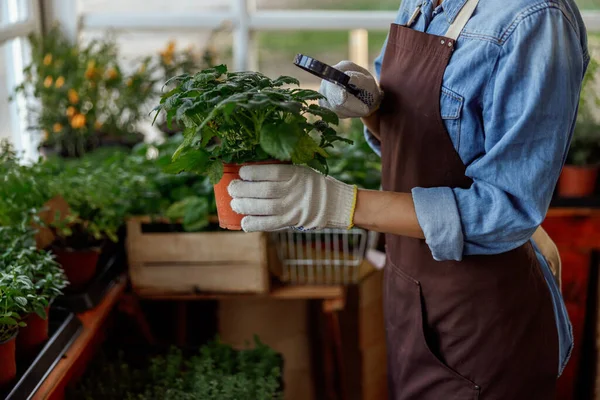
15,58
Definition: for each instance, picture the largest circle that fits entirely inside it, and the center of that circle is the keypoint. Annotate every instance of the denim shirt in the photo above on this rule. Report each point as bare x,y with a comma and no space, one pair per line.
509,102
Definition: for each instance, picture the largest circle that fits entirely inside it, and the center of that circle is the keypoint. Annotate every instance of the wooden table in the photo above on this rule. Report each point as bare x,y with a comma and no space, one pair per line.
576,232
82,350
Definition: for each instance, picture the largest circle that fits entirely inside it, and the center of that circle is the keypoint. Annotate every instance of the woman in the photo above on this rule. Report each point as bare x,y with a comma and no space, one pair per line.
472,117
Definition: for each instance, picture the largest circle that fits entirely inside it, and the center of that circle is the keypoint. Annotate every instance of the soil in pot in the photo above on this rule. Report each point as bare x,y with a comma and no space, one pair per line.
79,265
32,337
577,181
229,219
8,365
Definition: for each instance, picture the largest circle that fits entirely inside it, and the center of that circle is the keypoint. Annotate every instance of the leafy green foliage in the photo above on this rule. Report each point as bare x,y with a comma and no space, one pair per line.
357,164
585,145
16,292
19,254
237,117
217,372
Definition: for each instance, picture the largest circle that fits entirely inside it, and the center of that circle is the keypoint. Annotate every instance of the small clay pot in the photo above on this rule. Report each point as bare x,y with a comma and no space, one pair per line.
229,219
33,336
577,181
79,265
8,364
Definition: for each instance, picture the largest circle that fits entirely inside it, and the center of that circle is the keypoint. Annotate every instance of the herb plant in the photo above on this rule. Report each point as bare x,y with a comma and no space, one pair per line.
18,253
238,117
16,291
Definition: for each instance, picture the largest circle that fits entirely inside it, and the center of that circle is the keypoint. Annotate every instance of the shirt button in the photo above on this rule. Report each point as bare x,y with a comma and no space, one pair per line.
476,387
443,41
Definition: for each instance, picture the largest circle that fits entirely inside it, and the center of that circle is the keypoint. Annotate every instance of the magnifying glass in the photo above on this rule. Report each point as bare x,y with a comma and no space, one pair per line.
330,74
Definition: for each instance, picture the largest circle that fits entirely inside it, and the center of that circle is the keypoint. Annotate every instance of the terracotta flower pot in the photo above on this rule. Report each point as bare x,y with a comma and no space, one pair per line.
79,265
8,364
577,181
229,219
32,337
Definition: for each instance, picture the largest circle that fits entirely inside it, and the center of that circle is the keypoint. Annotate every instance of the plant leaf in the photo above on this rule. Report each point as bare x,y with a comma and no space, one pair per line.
215,171
280,141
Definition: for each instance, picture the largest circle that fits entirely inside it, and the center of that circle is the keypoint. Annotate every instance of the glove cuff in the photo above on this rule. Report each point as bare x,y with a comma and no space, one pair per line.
341,204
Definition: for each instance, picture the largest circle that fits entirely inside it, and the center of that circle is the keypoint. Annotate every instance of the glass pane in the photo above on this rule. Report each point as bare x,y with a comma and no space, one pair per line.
12,11
169,53
150,6
330,4
14,55
277,51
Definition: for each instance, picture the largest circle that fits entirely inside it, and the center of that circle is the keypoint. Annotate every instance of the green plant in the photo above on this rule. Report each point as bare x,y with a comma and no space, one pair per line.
18,253
357,164
218,372
23,188
16,292
585,145
81,94
236,117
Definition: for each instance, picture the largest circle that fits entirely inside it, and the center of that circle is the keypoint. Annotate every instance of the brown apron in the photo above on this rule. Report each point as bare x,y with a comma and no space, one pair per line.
482,328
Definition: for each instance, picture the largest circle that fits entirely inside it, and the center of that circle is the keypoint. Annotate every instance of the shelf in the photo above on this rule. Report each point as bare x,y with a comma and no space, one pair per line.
300,292
83,348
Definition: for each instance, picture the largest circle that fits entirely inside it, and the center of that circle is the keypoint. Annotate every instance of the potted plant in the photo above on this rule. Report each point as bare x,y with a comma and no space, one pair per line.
15,289
580,173
98,201
48,279
235,118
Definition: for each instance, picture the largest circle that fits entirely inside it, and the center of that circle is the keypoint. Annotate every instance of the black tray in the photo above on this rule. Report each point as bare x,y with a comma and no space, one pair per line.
63,330
110,266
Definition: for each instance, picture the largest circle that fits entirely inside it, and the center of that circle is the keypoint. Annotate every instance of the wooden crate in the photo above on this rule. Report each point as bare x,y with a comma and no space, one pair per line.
189,262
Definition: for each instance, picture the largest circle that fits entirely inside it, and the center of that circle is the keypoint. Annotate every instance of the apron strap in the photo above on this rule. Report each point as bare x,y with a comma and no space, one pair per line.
461,19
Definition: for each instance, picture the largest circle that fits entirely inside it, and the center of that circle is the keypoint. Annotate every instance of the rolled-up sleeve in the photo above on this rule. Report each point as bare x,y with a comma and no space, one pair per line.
528,114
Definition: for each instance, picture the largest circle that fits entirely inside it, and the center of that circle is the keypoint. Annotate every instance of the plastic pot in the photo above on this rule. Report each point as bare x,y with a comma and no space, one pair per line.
32,337
577,181
8,364
229,219
79,265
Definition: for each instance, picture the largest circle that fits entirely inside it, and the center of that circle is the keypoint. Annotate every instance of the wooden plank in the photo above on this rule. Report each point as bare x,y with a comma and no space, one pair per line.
278,292
81,352
210,278
221,247
573,212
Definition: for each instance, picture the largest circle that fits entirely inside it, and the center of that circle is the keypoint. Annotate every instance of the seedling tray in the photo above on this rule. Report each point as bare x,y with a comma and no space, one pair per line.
64,327
110,265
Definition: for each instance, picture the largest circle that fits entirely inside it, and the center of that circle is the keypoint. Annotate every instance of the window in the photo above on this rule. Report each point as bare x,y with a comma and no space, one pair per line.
18,18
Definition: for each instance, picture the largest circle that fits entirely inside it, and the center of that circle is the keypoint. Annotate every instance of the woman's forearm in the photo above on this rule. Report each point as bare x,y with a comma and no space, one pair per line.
372,124
387,212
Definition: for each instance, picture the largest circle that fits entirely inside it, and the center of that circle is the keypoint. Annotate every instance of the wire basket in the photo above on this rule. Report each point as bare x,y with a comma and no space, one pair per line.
329,256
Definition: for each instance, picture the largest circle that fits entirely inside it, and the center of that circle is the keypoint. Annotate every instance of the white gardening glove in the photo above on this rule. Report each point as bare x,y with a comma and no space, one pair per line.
277,196
345,105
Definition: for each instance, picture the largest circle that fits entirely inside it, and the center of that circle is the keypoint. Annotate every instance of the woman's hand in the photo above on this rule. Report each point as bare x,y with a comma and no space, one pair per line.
277,196
280,196
345,105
